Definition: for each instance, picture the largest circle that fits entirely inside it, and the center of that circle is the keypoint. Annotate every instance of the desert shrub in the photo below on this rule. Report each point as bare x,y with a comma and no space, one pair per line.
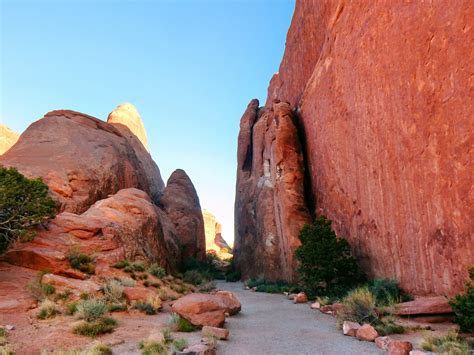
84,296
96,327
113,291
326,264
153,348
254,282
81,262
100,349
24,204
385,291
48,289
359,306
268,288
136,266
144,307
47,309
91,310
207,287
463,306
193,277
167,336
180,344
447,344
3,336
6,350
157,271
179,324
116,307
127,282
121,264
233,276
71,308
388,326
37,289
63,296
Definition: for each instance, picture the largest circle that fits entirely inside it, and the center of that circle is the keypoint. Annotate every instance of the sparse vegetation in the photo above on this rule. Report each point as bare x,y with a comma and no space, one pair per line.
122,264
63,296
180,344
113,291
47,309
387,291
95,328
71,308
91,309
326,264
81,262
39,290
388,326
136,266
447,344
153,348
144,307
463,306
127,282
157,271
116,307
179,324
194,277
359,306
24,204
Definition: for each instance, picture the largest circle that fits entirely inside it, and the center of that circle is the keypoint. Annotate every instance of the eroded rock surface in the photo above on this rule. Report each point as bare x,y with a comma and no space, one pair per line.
383,95
83,159
181,204
127,115
8,138
269,208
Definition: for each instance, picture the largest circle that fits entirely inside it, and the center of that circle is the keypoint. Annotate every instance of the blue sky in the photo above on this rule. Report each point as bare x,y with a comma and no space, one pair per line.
190,67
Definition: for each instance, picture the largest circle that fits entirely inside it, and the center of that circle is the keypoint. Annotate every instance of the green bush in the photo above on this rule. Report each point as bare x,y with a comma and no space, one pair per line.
71,308
24,204
193,277
81,262
91,310
387,292
97,327
326,265
157,271
178,324
136,266
463,306
121,264
233,276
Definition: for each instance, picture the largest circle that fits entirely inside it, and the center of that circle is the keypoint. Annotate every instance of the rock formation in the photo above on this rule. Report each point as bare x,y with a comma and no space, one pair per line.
384,99
269,207
181,203
7,138
213,231
83,159
127,115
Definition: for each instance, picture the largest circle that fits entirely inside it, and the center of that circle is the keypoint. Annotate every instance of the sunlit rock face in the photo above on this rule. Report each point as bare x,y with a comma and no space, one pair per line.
384,98
8,138
126,114
270,206
83,159
214,238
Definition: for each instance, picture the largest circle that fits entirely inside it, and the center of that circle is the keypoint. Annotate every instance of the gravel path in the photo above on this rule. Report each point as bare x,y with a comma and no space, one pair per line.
271,324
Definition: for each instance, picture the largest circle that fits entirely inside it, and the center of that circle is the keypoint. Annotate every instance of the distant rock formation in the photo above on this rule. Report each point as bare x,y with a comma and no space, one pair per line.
213,230
181,203
83,159
270,208
8,138
384,106
126,114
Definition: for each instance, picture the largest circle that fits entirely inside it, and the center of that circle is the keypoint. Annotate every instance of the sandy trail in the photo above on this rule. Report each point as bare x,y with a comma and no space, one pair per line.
271,324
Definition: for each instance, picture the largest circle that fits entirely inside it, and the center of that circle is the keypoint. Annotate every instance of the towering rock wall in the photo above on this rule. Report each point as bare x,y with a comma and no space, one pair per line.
383,92
213,230
269,207
7,138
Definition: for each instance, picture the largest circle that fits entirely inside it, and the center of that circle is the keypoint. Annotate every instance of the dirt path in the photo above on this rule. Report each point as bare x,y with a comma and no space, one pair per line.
271,324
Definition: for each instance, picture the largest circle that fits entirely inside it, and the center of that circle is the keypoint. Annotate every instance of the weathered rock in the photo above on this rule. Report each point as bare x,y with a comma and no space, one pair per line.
383,342
397,347
200,309
139,294
83,159
8,138
331,308
213,231
366,333
385,113
125,225
270,207
199,349
228,302
218,333
127,115
300,298
181,203
78,286
316,305
350,328
424,305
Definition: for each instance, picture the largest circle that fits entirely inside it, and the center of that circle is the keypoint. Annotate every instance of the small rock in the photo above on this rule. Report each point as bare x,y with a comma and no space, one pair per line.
247,288
301,298
291,296
199,349
350,328
366,333
10,327
417,352
397,347
316,305
218,333
383,342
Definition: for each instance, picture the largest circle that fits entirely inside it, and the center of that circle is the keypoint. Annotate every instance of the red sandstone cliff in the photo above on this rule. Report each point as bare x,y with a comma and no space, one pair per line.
383,92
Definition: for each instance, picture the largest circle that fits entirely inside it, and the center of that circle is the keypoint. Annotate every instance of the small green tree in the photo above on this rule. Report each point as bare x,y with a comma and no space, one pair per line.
463,306
326,264
24,203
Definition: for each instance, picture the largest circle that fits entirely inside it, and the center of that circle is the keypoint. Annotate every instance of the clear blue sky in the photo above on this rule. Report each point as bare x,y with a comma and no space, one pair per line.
190,67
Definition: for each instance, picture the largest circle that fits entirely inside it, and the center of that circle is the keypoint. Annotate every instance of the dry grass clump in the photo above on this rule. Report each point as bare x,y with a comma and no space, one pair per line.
95,328
47,309
113,291
358,306
448,344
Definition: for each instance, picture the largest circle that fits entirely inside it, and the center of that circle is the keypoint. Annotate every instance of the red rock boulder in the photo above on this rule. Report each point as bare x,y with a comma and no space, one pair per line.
397,347
366,333
200,309
424,305
228,302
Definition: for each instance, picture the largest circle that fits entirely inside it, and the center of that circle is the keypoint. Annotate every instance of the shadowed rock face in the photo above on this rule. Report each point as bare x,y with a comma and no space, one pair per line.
269,207
181,204
7,138
83,159
384,97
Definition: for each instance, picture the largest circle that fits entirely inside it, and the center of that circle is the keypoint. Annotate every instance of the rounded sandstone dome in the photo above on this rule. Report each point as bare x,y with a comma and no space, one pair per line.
127,115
